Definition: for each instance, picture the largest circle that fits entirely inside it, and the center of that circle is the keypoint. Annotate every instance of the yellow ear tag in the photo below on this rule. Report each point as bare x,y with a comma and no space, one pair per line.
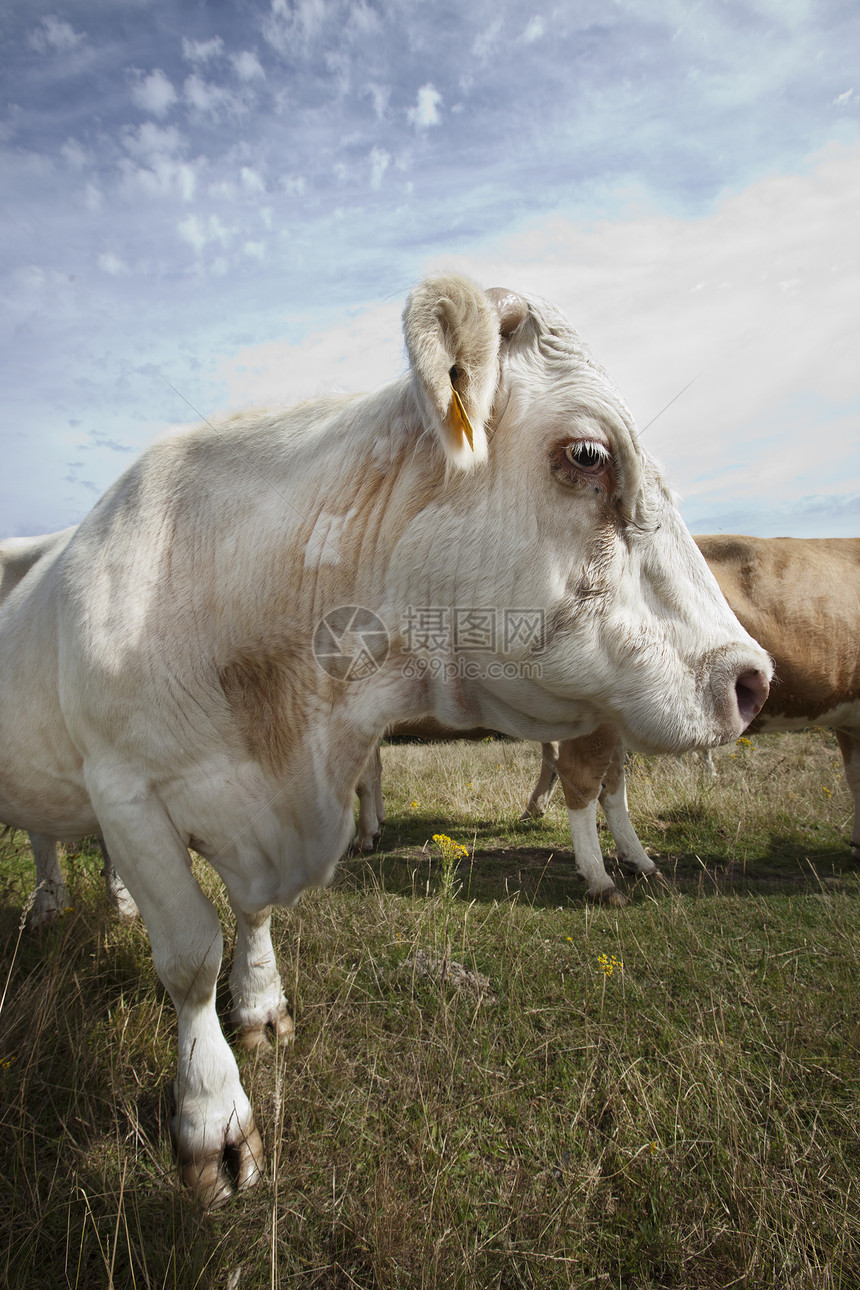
459,420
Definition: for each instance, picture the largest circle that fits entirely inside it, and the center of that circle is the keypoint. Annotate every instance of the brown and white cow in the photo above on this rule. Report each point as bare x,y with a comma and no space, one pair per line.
51,897
210,658
800,597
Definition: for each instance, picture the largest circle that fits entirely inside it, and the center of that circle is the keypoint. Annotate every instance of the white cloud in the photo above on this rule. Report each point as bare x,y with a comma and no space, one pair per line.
162,173
55,35
154,93
426,110
361,354
534,30
379,163
252,180
149,140
487,40
362,18
110,263
200,232
163,177
294,22
247,66
223,188
76,155
191,231
379,96
254,250
201,51
209,99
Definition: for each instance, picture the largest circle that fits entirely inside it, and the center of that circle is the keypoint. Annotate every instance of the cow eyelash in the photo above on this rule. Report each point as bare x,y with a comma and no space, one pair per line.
589,455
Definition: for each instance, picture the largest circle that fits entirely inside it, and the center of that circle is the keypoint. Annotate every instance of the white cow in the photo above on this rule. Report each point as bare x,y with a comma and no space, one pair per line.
17,558
210,658
801,598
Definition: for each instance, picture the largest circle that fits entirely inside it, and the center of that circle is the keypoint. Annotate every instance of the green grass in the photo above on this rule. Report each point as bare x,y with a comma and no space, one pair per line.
527,1120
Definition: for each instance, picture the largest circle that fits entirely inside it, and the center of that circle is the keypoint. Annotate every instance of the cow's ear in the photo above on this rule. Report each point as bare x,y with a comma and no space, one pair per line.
452,331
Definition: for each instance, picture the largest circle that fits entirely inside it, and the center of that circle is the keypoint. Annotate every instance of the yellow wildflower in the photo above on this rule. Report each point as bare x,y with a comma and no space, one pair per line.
450,849
608,963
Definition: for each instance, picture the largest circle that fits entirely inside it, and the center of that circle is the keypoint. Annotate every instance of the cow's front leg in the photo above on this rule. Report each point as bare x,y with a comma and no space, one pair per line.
582,765
589,857
217,1142
260,1012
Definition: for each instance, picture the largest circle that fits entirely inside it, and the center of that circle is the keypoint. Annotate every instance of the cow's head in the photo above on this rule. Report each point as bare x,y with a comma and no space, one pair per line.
545,502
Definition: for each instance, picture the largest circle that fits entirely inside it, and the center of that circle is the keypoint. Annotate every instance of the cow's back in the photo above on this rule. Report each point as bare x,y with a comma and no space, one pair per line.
19,555
41,786
800,598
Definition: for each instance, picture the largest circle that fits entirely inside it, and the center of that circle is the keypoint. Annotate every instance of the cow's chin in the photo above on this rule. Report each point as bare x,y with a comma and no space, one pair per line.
527,712
649,731
531,713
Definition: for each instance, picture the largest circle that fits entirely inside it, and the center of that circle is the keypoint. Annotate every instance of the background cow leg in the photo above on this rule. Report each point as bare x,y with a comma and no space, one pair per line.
260,1013
217,1141
849,746
613,799
582,765
379,800
371,810
118,894
52,896
542,791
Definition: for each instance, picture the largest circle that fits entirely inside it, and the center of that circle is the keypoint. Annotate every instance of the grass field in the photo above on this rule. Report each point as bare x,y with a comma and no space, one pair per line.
493,1084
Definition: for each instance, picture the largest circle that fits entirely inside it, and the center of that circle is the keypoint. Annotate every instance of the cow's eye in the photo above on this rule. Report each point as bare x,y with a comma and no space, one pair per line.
588,454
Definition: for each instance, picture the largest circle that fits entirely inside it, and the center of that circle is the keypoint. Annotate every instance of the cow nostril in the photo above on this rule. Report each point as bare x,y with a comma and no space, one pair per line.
752,689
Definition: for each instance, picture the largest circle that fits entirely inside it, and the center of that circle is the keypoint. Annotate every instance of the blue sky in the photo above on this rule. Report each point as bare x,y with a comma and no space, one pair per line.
210,204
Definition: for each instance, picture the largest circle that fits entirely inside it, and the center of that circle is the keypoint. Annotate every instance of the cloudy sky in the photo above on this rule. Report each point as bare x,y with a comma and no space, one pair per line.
206,204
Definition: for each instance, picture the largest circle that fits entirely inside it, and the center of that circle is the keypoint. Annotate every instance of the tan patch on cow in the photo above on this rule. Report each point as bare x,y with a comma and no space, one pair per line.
263,687
800,599
614,775
584,763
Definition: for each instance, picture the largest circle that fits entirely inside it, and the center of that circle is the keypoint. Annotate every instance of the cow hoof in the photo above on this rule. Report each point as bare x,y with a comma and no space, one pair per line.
218,1177
264,1034
635,870
611,896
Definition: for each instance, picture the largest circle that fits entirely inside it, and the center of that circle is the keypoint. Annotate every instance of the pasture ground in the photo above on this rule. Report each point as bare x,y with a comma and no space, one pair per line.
493,1083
